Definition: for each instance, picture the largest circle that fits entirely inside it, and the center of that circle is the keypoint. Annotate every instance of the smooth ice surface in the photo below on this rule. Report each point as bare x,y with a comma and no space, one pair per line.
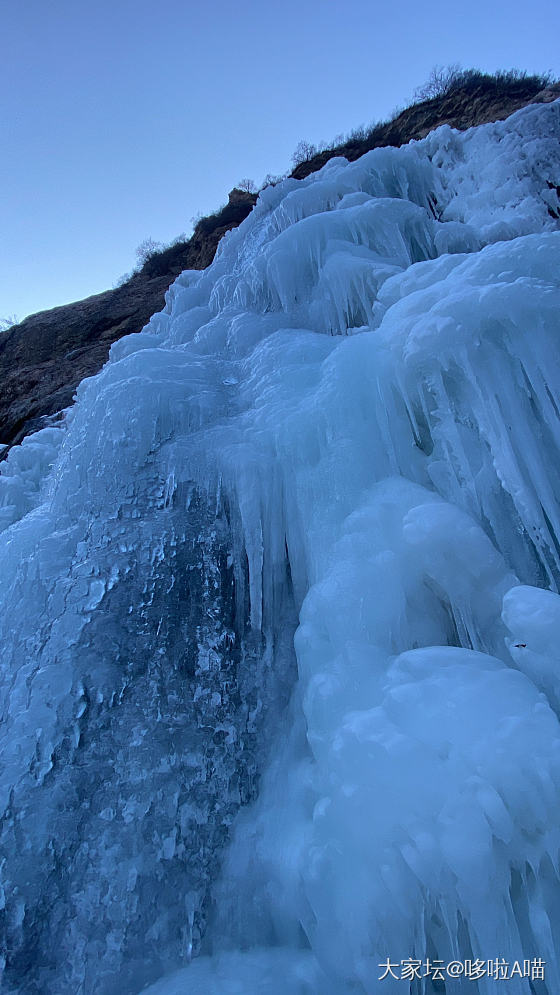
279,601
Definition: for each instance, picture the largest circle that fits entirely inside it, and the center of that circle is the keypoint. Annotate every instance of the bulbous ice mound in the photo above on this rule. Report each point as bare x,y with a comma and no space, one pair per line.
352,417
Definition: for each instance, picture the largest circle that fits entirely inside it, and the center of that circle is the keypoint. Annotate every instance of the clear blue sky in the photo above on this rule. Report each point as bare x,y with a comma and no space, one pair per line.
121,119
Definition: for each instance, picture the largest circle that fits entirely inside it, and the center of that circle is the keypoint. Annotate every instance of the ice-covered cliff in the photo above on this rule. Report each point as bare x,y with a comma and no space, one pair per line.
279,672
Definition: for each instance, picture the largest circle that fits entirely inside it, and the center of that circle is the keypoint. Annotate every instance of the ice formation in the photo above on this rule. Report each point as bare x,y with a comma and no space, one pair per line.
279,616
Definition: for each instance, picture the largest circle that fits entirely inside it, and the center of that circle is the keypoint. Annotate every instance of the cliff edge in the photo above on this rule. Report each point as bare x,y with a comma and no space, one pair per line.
44,358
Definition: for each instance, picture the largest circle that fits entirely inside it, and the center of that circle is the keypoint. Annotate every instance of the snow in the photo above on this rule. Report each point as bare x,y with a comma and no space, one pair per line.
279,607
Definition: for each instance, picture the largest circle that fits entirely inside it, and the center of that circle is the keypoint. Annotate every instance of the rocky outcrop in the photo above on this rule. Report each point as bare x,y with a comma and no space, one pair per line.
462,109
43,359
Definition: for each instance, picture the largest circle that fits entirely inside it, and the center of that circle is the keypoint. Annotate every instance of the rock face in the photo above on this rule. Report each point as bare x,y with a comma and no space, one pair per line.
44,358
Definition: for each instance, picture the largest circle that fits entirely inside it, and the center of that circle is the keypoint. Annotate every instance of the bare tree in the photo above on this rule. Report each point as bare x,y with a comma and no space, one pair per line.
439,82
303,152
249,186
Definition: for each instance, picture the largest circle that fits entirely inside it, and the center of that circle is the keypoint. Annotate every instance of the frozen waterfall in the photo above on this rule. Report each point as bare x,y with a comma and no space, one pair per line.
280,669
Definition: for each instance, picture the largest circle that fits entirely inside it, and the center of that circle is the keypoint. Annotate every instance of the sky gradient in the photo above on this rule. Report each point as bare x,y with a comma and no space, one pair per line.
121,120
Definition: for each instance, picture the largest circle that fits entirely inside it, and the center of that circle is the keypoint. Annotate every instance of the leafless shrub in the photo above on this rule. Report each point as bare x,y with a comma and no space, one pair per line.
8,322
147,249
303,152
122,280
271,179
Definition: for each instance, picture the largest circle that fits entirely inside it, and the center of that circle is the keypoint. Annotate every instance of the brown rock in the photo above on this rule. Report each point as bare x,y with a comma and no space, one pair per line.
44,358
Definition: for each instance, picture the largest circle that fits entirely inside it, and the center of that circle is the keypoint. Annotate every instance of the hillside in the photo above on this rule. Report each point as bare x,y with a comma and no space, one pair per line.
44,358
